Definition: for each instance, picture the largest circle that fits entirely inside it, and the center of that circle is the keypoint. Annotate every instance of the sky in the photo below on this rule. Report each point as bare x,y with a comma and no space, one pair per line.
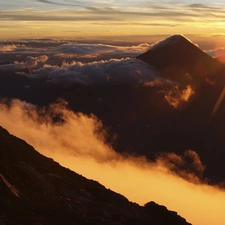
112,18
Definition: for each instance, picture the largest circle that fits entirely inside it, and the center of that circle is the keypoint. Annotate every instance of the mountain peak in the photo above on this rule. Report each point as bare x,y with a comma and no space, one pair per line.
171,40
176,56
174,50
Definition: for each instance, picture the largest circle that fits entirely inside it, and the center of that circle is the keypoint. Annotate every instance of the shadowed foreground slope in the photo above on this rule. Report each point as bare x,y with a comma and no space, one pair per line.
36,190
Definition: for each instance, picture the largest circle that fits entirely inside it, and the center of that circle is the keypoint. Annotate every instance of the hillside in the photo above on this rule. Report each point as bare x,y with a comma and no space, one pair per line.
36,190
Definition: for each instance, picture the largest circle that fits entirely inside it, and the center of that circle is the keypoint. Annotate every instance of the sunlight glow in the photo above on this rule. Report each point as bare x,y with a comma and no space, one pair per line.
102,18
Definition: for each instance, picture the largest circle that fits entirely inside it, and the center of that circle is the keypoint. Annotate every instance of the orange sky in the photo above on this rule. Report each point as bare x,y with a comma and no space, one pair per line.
104,19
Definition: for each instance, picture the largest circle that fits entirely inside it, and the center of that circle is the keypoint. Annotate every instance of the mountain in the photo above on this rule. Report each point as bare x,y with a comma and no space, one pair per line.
176,56
36,190
139,116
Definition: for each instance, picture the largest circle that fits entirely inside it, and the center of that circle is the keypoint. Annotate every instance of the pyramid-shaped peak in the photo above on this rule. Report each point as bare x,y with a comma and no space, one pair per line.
171,40
177,55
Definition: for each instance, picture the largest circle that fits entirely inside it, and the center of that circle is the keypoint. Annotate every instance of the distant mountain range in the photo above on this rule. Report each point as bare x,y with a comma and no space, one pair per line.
36,190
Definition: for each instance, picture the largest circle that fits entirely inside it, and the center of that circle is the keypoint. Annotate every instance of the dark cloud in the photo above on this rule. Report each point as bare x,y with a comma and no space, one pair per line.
188,165
72,50
153,13
210,12
11,67
95,50
105,14
198,5
29,63
203,6
43,15
76,3
142,24
114,71
85,49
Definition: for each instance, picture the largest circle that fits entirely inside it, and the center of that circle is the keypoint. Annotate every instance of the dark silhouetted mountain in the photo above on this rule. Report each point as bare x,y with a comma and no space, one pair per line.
177,56
36,190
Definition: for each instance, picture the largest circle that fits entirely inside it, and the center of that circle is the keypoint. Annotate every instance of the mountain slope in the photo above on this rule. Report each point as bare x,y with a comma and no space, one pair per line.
36,190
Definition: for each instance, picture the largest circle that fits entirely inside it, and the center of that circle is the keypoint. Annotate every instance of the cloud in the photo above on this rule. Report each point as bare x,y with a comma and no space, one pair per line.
31,46
188,166
75,15
96,50
29,63
7,48
155,24
61,3
127,71
65,56
11,67
99,13
197,5
82,50
216,52
78,142
116,18
205,7
34,61
114,71
72,49
160,83
175,96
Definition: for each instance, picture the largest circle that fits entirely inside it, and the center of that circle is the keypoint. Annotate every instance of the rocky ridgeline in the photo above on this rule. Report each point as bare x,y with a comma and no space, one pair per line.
36,190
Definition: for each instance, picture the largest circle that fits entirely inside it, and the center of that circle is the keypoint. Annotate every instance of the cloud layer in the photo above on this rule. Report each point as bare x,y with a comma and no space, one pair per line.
77,141
68,49
96,50
127,71
29,63
116,12
7,48
113,71
109,18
